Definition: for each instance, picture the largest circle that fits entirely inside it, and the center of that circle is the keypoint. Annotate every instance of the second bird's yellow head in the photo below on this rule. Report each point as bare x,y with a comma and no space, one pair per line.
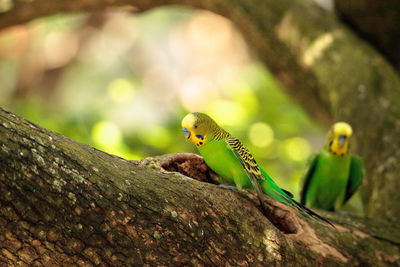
339,138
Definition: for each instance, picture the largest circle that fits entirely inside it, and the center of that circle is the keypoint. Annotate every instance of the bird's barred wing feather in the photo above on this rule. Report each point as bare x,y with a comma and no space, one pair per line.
245,157
249,164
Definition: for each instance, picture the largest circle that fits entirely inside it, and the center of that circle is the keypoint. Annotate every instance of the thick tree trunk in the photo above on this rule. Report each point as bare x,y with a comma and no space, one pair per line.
64,203
334,74
376,21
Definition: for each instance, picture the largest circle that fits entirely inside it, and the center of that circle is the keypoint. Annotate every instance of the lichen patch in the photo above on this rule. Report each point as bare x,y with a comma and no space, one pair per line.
58,184
38,158
72,197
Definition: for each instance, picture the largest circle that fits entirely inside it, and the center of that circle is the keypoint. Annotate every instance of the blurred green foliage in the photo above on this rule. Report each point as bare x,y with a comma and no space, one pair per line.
122,84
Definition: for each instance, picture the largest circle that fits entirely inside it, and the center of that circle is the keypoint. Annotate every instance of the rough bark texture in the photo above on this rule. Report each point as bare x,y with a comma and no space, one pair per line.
334,74
65,203
376,21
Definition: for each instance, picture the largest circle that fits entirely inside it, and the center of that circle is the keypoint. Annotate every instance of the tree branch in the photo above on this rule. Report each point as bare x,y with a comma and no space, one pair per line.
334,74
62,202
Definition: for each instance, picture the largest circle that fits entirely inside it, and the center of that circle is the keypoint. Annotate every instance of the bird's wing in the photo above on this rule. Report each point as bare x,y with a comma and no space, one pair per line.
249,165
311,165
357,173
245,157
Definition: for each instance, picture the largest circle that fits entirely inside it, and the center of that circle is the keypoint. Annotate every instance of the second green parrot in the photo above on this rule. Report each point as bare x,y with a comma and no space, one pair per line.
333,175
226,155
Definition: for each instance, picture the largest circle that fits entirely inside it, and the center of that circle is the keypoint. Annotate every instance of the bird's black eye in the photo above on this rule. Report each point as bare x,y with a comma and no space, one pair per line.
195,126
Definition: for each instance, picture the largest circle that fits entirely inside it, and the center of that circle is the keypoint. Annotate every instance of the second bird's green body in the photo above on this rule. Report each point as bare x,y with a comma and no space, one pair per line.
329,182
333,175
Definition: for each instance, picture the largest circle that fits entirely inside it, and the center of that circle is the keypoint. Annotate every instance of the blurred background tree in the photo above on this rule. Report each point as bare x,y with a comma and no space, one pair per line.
122,82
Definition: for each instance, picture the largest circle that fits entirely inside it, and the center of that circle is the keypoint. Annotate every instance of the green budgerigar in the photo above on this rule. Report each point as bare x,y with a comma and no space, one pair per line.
333,175
226,156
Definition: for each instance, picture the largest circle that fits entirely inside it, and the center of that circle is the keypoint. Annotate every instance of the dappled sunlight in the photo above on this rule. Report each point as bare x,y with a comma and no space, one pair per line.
122,83
108,137
197,93
228,113
6,5
13,41
59,48
106,134
242,93
156,136
297,148
317,48
261,134
121,91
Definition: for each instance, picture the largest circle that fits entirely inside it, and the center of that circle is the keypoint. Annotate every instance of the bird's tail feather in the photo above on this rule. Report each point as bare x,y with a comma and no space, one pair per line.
308,212
286,197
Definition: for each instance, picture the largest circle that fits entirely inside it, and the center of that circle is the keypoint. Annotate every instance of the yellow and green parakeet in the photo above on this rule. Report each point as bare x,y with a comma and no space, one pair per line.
226,156
333,175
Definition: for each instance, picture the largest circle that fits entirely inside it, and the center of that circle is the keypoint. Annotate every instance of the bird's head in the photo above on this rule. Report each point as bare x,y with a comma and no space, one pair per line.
339,138
197,127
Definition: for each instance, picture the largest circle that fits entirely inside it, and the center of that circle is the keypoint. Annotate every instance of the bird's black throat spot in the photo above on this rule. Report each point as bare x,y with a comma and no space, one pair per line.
199,136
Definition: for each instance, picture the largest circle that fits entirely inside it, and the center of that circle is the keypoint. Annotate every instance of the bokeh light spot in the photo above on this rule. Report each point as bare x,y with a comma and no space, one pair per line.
297,148
6,5
59,48
197,93
261,134
227,112
121,91
106,134
210,33
13,41
247,98
156,136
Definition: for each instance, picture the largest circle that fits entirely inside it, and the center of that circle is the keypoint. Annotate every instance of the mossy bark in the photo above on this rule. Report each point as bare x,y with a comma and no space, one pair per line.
375,21
327,68
65,203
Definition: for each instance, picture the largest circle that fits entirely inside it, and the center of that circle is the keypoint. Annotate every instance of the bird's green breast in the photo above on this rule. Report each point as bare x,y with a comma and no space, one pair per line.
220,158
328,185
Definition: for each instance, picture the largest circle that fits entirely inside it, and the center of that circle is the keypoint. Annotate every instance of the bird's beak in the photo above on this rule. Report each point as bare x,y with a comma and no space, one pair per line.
342,140
186,133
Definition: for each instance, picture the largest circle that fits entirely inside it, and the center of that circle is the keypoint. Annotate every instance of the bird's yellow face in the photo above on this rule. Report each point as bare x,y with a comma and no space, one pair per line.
195,129
339,138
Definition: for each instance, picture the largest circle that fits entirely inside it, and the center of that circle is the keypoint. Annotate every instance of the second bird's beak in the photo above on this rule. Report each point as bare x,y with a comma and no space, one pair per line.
342,140
186,133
